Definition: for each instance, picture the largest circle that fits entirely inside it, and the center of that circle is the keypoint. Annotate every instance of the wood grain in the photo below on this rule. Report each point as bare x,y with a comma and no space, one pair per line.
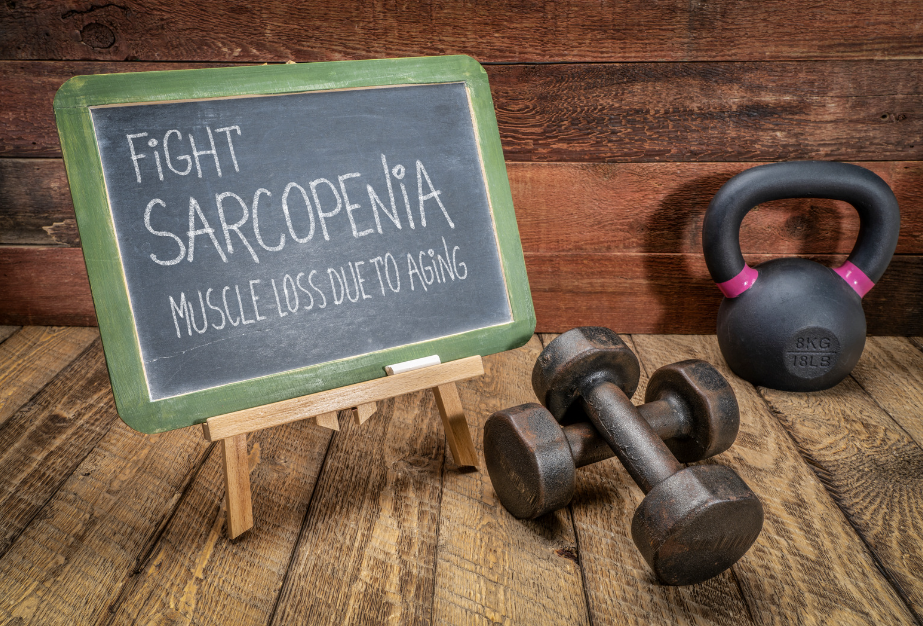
27,125
868,462
807,566
32,357
364,411
328,420
517,31
278,413
36,203
42,443
194,574
75,559
455,425
44,284
709,111
566,207
133,531
492,568
366,553
620,587
617,112
239,507
7,331
666,293
659,208
891,372
647,293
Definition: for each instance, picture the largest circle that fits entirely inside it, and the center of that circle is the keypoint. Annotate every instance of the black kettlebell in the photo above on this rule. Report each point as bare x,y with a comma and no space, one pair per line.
793,324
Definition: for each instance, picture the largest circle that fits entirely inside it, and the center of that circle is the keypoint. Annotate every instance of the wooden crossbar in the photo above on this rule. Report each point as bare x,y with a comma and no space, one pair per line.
232,428
278,413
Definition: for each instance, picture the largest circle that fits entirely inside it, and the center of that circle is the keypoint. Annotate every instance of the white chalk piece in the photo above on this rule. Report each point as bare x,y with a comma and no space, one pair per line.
406,366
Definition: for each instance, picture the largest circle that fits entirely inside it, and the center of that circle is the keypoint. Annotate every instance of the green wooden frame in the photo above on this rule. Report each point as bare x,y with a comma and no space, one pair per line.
107,278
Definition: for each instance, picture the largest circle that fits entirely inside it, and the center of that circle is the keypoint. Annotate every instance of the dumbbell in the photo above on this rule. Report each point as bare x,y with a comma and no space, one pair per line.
695,522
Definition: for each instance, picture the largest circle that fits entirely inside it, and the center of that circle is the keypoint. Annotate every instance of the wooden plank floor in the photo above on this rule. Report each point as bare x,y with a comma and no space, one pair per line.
375,524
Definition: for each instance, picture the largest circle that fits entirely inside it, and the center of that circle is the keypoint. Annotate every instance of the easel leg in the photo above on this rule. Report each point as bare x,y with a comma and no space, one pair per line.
237,483
456,428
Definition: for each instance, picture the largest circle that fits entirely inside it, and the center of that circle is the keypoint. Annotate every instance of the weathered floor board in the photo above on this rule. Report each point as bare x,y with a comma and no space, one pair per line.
366,554
493,568
620,587
42,443
194,574
867,461
6,331
32,357
70,565
891,372
808,566
374,524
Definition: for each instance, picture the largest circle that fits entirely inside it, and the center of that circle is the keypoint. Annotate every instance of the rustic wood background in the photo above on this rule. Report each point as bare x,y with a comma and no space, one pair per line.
619,121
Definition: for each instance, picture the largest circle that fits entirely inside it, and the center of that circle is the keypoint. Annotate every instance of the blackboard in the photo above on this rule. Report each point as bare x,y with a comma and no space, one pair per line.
256,234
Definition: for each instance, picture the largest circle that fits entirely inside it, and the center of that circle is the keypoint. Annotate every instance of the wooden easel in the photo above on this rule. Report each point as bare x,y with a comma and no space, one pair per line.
231,429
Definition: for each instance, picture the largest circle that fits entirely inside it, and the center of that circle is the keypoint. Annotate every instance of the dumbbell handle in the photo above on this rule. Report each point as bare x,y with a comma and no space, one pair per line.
631,437
588,447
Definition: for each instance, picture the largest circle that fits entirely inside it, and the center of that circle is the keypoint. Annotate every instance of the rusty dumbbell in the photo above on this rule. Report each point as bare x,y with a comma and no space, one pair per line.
695,522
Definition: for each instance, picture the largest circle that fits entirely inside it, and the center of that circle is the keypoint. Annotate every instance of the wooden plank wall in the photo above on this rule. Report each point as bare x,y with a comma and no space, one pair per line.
619,121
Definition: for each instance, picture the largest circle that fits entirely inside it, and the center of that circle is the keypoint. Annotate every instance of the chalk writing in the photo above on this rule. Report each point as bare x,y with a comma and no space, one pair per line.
261,235
167,221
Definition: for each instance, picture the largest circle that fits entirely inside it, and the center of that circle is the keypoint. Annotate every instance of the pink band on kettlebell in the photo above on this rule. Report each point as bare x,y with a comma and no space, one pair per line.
855,278
740,283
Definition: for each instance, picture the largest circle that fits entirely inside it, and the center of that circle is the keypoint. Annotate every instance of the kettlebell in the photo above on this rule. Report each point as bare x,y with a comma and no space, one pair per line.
794,324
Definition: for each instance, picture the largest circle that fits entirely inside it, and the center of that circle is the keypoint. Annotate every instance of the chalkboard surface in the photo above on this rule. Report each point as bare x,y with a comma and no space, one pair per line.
269,245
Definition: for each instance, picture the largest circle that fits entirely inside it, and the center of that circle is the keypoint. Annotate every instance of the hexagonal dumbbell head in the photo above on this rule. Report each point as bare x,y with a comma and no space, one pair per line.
529,460
696,400
579,357
696,524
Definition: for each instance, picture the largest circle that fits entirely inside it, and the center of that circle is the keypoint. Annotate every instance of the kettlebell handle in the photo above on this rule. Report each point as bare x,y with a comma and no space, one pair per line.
879,218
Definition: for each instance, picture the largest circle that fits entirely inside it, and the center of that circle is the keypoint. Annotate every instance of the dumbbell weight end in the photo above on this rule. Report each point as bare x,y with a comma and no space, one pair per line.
696,524
529,461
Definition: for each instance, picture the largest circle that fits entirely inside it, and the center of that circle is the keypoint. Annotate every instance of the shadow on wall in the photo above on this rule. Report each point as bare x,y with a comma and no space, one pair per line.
686,297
